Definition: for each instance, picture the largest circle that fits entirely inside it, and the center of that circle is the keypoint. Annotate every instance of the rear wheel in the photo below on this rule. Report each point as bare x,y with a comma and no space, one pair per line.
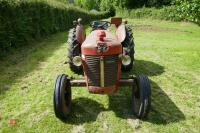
74,49
62,97
141,96
128,48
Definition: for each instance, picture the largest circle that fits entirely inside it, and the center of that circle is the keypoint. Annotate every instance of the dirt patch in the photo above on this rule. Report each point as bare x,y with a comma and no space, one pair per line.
105,127
78,129
134,123
4,88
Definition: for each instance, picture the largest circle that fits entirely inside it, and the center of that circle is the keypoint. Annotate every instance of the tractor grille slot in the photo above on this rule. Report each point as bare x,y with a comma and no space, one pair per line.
110,70
93,70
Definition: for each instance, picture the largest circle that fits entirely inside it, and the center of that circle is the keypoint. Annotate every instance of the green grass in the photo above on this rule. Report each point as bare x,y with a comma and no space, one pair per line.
168,52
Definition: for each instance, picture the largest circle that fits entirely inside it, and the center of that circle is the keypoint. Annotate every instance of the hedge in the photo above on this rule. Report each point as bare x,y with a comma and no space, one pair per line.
173,13
22,20
164,13
188,10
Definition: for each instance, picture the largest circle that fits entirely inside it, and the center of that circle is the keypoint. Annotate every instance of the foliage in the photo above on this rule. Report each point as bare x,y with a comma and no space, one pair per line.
176,10
165,13
107,4
147,3
188,10
88,4
21,21
63,1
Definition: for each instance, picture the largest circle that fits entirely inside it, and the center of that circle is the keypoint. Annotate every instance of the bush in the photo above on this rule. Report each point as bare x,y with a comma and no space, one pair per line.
107,4
174,13
22,21
141,3
88,4
163,13
188,10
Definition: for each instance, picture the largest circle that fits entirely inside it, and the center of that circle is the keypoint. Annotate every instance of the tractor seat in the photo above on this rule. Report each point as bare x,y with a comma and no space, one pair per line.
103,25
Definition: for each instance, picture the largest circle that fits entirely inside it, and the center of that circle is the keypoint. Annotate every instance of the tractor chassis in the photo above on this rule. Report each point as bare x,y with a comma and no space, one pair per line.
141,94
122,82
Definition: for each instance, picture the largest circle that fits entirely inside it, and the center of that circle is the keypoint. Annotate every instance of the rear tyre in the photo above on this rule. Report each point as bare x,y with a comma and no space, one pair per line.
62,97
141,96
128,48
74,49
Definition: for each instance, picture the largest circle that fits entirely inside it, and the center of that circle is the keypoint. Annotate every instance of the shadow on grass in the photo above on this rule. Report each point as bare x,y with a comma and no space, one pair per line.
26,59
163,110
19,62
84,110
145,67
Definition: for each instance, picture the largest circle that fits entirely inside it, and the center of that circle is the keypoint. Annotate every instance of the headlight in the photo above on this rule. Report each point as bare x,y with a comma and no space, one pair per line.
77,61
83,56
126,60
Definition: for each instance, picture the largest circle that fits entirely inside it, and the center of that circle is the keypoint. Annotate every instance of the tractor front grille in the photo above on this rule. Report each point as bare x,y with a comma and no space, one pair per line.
94,70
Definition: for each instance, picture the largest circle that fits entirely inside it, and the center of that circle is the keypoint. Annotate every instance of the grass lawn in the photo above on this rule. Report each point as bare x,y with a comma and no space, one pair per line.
168,52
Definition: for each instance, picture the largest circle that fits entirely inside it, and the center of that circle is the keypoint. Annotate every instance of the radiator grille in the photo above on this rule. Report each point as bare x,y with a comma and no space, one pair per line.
110,70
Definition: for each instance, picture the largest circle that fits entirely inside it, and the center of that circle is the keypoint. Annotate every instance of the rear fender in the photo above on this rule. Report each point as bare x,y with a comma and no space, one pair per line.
80,33
117,21
121,33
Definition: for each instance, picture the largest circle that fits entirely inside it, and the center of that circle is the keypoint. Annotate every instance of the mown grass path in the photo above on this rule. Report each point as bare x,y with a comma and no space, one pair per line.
168,52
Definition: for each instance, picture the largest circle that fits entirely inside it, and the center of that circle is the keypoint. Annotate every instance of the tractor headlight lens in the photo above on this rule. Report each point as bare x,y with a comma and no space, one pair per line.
83,56
77,61
126,60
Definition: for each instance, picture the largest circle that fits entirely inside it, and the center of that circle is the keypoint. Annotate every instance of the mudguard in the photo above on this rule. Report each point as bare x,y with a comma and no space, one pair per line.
121,33
117,21
80,33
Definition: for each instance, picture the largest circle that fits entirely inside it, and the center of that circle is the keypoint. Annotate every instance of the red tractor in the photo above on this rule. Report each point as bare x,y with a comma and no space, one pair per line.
101,56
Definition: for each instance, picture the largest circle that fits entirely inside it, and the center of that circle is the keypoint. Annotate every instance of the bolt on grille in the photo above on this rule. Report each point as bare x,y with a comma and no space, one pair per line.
94,70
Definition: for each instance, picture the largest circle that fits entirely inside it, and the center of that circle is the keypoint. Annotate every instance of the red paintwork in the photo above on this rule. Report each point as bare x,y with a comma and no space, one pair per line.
117,21
89,47
101,34
93,51
102,90
80,34
121,33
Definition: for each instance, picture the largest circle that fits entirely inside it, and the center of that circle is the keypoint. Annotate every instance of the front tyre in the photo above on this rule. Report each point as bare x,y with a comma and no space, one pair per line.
141,96
62,97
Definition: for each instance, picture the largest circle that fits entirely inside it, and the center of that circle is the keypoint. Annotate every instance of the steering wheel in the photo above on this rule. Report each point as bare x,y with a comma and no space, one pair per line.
100,25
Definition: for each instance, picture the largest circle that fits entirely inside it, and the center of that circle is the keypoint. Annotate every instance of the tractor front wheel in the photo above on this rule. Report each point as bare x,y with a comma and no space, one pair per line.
62,97
141,96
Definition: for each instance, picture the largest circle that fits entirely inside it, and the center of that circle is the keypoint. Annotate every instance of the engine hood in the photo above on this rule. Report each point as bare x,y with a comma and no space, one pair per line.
92,41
